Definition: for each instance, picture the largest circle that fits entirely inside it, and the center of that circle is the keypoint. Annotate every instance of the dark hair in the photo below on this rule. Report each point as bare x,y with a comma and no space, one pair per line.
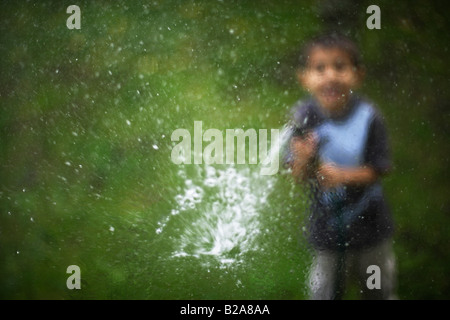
328,41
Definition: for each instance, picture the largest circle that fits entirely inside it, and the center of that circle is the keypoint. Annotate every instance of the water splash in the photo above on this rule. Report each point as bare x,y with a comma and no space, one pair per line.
219,210
220,207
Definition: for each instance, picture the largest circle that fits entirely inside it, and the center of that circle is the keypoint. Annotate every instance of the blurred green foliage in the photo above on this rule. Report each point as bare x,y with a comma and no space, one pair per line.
86,119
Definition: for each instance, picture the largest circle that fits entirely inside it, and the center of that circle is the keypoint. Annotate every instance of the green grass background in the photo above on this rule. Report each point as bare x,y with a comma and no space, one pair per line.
81,112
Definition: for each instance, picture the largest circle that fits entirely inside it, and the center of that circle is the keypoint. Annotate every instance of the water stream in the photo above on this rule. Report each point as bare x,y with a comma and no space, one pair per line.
226,202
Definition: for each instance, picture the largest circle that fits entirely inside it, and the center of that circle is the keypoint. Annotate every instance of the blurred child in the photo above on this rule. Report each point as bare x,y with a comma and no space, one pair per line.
340,147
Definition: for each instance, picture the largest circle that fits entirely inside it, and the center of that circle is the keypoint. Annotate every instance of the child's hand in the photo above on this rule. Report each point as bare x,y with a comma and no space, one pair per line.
304,148
330,176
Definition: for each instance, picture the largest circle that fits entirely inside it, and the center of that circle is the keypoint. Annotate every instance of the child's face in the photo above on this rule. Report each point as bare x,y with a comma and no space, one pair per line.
330,76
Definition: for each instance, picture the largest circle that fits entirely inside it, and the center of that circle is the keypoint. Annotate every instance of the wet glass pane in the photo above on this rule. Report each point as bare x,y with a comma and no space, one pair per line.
121,124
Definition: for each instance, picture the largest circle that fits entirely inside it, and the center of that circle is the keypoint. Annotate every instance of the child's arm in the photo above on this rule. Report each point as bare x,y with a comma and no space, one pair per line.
330,175
376,159
303,150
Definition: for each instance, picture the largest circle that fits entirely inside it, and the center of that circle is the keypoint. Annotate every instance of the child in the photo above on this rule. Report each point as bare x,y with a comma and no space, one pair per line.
340,147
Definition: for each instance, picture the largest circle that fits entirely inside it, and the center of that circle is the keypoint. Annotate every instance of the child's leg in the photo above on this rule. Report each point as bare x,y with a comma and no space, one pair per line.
382,256
326,280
